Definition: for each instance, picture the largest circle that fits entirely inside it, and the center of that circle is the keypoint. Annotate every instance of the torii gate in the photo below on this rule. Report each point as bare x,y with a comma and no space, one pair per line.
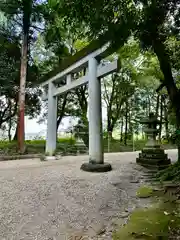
94,72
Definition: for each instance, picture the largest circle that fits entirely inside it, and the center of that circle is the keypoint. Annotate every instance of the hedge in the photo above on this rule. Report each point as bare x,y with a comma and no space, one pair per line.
67,145
34,146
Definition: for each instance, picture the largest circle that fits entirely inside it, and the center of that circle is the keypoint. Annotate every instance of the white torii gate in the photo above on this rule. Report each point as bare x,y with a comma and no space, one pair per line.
94,72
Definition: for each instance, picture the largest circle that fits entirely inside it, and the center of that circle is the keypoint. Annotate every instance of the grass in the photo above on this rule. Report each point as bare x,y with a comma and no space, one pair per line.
117,146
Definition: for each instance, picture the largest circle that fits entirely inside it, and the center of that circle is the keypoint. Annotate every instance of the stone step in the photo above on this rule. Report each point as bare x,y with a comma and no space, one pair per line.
153,163
153,155
153,150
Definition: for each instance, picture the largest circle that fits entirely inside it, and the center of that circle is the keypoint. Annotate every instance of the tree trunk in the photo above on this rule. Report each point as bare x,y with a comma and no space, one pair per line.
130,130
10,121
149,105
168,82
126,124
122,125
59,120
109,128
62,111
157,106
161,117
143,136
16,133
27,7
166,122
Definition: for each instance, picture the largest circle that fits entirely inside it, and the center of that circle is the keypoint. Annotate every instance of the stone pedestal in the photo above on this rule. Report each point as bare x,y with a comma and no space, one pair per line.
96,167
153,158
152,155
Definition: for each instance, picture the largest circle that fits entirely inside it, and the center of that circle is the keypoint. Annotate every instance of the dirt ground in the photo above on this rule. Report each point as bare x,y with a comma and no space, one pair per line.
55,200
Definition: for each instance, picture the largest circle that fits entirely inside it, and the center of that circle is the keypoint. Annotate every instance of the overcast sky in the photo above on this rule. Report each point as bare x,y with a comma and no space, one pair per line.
31,126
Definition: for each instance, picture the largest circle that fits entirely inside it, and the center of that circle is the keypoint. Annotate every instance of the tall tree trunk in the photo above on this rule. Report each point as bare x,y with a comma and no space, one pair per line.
173,92
109,127
143,136
16,133
161,117
27,8
126,124
122,125
10,121
157,106
130,128
149,105
166,121
60,117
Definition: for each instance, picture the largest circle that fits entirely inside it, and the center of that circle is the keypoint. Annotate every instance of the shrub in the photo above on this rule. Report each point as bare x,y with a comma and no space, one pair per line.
66,140
35,146
172,173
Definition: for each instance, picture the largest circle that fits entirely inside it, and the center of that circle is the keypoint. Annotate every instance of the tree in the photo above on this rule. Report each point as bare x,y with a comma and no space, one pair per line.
9,80
116,92
148,20
63,42
22,13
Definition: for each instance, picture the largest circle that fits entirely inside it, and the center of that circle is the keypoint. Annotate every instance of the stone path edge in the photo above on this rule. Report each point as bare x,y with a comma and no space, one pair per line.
20,157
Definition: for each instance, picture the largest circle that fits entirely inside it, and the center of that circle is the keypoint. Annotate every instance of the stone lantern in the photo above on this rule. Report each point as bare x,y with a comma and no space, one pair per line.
152,155
79,142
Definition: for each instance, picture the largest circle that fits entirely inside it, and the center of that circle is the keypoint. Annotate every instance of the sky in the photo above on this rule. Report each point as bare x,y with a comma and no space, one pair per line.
32,127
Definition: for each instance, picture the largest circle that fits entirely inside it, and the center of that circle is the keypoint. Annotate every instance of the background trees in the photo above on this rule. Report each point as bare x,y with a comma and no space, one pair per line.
152,22
146,45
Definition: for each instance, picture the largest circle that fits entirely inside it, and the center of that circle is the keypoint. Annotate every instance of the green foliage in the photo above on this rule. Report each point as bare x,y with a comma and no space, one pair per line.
68,145
9,78
34,146
173,46
65,140
67,27
172,173
117,146
115,21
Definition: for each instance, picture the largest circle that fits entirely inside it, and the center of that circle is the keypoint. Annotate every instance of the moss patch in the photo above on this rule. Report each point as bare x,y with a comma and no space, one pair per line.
153,223
144,192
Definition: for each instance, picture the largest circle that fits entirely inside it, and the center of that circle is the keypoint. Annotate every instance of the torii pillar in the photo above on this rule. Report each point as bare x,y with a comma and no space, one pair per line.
51,137
92,78
96,156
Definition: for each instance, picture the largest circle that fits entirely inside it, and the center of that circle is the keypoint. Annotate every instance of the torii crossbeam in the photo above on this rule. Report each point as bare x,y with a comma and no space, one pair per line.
95,71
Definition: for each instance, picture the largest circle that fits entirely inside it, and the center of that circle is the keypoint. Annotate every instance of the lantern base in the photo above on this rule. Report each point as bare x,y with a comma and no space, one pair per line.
153,158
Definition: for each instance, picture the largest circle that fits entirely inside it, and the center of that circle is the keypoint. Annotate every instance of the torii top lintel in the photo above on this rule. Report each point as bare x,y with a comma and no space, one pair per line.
97,48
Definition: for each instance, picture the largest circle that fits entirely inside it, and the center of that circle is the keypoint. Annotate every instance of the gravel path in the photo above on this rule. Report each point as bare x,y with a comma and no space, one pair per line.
55,200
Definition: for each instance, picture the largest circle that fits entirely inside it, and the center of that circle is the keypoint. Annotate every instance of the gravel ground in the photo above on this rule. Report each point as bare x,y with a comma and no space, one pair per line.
57,201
